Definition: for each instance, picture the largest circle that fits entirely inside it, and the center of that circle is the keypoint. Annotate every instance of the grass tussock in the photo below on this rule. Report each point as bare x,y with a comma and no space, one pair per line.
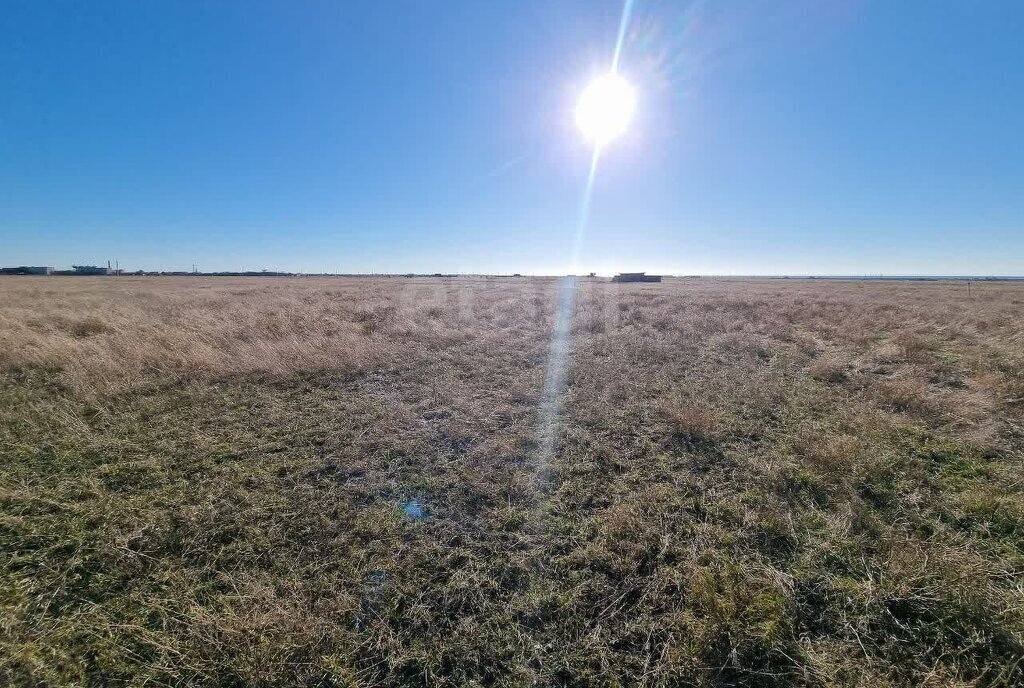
224,482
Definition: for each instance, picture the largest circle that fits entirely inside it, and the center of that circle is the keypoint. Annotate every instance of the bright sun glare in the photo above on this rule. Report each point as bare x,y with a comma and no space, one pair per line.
605,108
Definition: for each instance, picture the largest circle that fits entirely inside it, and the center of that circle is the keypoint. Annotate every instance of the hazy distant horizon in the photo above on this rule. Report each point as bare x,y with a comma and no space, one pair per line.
130,271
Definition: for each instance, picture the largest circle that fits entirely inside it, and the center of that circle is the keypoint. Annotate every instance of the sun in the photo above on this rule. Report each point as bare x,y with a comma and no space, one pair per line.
605,108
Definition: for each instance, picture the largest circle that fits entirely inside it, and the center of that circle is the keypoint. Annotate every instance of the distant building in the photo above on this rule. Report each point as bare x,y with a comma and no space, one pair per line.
91,270
636,277
27,270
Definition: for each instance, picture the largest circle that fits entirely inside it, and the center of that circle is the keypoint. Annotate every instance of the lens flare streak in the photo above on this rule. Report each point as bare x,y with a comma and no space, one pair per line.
557,368
627,12
555,376
584,216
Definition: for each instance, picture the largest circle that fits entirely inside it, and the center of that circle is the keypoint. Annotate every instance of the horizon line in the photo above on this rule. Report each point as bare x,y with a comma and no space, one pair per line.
122,272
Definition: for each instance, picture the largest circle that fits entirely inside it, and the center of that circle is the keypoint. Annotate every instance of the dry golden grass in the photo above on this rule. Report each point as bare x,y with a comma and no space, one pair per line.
758,482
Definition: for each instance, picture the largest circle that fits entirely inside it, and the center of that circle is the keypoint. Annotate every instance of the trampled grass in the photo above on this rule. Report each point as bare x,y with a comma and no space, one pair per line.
774,482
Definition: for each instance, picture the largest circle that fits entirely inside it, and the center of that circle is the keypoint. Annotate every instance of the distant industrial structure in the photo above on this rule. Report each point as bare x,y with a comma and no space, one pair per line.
27,270
75,270
99,270
94,270
636,277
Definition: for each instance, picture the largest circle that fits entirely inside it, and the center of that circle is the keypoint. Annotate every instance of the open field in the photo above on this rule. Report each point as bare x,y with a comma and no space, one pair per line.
776,482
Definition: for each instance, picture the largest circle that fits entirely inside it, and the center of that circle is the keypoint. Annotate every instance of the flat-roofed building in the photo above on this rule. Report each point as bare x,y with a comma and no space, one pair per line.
636,277
27,270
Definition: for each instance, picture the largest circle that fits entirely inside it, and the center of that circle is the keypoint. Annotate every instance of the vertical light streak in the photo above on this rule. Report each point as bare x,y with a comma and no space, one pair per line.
583,219
558,355
555,375
627,12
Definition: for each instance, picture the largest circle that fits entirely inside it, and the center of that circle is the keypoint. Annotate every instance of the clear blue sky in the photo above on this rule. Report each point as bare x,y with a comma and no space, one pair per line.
771,137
